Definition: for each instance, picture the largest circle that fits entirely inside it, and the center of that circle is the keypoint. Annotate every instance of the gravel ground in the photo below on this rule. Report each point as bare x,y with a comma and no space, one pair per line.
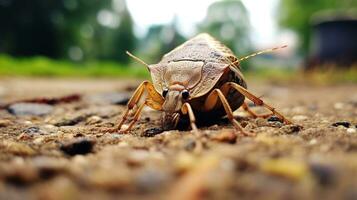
58,151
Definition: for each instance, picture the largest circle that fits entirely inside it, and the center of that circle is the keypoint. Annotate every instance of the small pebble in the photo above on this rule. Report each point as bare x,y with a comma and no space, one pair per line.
313,142
277,124
227,136
351,130
78,135
117,98
124,127
28,122
35,109
137,157
5,123
116,135
32,130
300,117
151,180
261,122
77,146
39,140
251,104
17,148
185,161
324,174
190,145
71,121
48,167
274,119
338,105
342,123
214,127
151,132
291,129
24,136
123,144
18,173
93,120
49,128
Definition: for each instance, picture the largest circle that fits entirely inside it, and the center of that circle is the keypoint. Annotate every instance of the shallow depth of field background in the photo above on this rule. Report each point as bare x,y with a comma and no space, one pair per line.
88,38
65,81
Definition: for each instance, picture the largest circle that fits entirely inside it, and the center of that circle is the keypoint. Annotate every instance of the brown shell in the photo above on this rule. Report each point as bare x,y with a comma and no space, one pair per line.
212,54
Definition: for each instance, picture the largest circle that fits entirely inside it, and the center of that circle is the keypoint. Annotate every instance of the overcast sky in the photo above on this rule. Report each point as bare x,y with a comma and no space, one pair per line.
190,12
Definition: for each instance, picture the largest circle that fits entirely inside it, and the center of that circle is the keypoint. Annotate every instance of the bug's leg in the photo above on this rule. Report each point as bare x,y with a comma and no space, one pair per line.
154,100
187,109
135,118
256,100
211,102
254,114
137,114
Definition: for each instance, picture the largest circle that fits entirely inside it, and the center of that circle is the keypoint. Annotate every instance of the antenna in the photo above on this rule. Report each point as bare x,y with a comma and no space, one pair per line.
137,59
258,53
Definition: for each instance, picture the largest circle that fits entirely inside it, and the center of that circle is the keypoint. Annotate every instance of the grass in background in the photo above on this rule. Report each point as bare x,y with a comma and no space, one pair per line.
295,76
45,67
271,74
332,75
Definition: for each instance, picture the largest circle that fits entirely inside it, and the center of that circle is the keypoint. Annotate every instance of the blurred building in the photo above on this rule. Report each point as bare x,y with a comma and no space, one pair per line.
334,40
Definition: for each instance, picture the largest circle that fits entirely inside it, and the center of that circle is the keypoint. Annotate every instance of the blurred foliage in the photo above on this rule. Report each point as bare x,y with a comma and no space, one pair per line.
46,67
332,76
159,40
228,21
76,29
296,15
85,31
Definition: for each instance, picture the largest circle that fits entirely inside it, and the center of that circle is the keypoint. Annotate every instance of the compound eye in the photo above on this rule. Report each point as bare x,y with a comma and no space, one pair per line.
164,92
185,94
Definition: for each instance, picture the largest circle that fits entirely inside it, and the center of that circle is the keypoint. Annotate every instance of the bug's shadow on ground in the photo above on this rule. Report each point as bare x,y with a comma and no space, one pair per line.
204,122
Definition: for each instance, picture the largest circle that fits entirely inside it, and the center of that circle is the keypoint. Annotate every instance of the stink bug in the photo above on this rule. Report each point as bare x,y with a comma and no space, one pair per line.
201,77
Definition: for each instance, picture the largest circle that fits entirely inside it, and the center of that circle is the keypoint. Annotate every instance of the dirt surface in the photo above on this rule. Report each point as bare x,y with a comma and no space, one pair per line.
58,151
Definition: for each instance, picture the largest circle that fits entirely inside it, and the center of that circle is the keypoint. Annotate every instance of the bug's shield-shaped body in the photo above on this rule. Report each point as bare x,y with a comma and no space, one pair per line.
199,65
200,78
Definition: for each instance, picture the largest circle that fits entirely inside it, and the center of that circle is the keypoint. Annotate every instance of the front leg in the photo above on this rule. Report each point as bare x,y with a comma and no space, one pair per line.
154,100
137,115
187,109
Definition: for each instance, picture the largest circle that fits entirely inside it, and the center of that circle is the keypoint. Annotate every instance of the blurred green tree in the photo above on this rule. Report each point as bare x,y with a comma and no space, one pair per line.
228,21
113,32
75,29
159,40
27,28
296,15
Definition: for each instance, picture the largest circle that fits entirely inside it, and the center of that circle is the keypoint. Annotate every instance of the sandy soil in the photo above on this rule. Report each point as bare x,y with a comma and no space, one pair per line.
61,152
